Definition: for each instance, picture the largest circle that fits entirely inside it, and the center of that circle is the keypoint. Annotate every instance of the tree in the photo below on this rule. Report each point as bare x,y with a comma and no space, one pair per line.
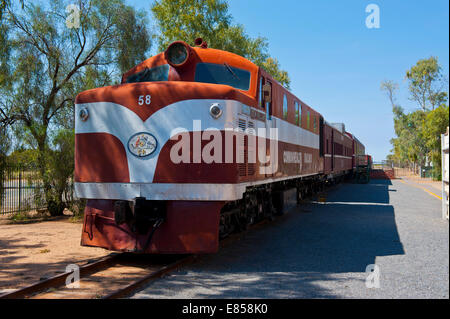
272,66
436,123
210,20
23,156
391,88
408,145
49,63
4,147
426,83
60,170
418,132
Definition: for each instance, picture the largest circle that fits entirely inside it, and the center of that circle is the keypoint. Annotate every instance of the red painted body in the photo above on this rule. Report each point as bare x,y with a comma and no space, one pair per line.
338,151
190,227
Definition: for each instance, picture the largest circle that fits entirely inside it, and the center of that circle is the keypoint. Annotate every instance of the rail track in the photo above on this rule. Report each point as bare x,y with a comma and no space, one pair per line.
117,275
111,277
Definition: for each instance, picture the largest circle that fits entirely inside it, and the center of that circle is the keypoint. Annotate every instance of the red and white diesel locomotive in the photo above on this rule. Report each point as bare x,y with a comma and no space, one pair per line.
196,143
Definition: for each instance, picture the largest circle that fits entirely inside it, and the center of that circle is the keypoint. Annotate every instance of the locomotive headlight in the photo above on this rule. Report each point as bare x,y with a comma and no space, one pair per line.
177,53
215,110
84,114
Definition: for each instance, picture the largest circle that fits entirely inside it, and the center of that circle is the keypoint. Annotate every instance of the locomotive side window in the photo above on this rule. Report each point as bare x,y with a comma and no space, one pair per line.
300,111
158,73
222,74
315,124
297,113
308,116
285,107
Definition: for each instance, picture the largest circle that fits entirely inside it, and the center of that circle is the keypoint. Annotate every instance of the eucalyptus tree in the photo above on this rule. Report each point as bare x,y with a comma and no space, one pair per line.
418,132
210,20
53,51
4,148
436,123
426,84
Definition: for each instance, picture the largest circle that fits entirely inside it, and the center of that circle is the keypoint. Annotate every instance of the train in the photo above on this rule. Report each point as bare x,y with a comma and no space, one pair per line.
194,144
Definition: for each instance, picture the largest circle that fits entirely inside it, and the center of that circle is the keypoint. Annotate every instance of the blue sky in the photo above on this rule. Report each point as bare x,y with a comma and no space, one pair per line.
336,63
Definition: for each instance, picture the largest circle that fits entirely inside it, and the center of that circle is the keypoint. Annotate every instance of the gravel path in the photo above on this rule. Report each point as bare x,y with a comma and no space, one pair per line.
322,250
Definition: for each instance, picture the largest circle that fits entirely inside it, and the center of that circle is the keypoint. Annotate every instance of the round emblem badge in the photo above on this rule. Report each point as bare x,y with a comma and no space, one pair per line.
142,144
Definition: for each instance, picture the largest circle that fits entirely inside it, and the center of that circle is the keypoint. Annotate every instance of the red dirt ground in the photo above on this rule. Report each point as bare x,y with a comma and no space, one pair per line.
31,252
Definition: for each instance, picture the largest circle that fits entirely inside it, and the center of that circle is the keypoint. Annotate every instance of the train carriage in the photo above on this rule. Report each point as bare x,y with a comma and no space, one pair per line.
338,153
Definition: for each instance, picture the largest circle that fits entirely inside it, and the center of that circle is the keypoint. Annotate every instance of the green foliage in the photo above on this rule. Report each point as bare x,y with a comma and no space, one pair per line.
59,168
272,66
4,55
132,38
61,164
425,83
187,20
46,64
408,128
210,20
418,132
23,157
435,124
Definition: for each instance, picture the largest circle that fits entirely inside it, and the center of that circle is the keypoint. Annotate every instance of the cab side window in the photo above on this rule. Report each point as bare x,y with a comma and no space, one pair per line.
261,93
267,100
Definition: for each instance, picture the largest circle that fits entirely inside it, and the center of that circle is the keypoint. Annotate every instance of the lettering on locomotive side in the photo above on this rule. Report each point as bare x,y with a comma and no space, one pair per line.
292,157
308,158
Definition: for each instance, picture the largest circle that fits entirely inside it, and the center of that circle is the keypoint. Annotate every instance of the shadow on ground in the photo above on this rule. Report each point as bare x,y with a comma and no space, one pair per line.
290,257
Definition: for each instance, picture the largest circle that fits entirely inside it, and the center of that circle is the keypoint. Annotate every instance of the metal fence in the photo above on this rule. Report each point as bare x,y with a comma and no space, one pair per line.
384,165
22,190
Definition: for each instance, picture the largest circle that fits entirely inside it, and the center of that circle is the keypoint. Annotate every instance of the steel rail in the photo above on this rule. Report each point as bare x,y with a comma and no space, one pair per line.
133,287
104,263
59,280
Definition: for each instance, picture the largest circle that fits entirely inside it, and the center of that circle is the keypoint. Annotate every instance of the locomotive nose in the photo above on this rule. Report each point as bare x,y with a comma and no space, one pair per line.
121,130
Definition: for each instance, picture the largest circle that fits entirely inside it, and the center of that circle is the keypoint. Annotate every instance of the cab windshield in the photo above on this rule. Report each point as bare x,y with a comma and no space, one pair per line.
158,73
223,74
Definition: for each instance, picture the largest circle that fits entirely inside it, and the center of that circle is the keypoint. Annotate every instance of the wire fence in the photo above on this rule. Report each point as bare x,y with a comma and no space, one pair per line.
22,190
